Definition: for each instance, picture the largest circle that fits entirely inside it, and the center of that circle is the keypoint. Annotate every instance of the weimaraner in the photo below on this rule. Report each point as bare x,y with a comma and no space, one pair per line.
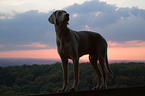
73,44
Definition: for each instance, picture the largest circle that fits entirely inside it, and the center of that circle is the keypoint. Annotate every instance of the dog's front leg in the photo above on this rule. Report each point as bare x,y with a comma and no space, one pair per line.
65,74
76,75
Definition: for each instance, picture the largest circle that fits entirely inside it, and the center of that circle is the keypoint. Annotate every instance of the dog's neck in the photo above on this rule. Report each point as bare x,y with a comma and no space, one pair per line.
61,31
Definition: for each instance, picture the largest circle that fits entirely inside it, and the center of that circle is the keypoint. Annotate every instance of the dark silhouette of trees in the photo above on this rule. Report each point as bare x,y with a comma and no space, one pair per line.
37,79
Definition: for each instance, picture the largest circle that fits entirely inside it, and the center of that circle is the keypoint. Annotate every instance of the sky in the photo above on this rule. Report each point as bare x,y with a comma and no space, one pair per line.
26,33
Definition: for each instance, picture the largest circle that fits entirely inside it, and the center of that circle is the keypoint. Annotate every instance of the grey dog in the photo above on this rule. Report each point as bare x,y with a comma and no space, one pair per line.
73,44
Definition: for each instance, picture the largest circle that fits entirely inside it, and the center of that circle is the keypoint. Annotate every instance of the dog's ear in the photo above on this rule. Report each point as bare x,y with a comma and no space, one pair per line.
52,18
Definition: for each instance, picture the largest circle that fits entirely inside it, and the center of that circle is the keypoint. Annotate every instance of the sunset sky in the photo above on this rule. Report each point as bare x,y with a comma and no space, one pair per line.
26,33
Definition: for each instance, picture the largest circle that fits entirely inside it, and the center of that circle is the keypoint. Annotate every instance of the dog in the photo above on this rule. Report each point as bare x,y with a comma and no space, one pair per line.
74,44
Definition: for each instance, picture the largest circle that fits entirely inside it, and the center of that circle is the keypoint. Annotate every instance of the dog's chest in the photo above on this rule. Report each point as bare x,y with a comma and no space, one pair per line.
66,49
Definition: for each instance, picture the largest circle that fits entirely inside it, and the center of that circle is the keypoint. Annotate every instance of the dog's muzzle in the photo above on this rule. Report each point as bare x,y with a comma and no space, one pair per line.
66,17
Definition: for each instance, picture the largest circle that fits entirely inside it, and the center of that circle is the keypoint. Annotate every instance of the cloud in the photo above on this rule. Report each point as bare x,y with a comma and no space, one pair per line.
1,46
25,28
34,44
133,43
25,46
32,29
92,13
4,16
117,24
126,29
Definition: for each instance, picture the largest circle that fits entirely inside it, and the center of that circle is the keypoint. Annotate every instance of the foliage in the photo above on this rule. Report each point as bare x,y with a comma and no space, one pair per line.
37,79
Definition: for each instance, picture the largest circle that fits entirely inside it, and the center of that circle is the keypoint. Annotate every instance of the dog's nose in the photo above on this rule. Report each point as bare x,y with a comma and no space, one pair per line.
67,14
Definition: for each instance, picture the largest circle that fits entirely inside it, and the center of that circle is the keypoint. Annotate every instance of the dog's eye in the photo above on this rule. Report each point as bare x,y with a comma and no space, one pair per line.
55,13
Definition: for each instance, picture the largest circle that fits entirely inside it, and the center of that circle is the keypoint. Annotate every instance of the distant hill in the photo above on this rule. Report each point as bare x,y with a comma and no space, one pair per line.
4,62
12,62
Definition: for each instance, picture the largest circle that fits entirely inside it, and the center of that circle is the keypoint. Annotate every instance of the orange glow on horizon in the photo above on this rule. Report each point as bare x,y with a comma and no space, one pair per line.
126,53
47,53
114,53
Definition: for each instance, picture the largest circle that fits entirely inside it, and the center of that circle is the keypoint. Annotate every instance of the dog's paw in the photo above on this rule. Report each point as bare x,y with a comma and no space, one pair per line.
72,90
103,88
60,91
95,88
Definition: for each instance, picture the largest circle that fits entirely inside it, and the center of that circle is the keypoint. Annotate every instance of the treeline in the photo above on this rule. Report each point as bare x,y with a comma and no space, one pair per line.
40,79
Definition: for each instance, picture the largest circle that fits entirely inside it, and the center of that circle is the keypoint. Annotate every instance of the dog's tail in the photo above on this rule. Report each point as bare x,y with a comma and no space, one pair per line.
108,68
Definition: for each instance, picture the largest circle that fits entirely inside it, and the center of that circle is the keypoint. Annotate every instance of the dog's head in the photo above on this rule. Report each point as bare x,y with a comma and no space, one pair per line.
59,17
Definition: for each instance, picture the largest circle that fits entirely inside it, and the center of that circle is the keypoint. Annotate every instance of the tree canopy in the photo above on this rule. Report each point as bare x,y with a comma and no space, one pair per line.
39,79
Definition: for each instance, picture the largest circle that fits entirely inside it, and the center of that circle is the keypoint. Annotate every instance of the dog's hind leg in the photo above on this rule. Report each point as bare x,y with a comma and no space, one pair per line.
93,60
102,64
